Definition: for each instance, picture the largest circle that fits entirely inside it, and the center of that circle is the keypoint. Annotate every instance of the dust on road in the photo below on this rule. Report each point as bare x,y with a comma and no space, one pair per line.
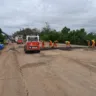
50,73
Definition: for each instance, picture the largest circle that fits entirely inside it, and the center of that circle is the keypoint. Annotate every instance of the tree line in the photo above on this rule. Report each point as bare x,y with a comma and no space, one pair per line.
79,36
27,31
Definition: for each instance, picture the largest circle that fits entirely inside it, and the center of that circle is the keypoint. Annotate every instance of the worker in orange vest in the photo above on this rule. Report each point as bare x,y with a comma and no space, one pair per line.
69,44
43,44
55,43
50,43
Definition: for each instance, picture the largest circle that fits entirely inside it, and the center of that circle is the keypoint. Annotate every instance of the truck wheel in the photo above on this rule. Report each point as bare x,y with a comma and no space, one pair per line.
39,51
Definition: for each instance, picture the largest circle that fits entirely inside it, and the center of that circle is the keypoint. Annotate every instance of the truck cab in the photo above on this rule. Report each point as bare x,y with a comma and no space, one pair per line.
32,44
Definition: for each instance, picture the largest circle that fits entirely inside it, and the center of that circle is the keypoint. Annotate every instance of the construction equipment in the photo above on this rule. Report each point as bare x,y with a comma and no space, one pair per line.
19,39
32,44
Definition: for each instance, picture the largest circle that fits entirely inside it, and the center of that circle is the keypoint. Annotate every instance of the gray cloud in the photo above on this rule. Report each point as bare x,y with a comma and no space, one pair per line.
16,14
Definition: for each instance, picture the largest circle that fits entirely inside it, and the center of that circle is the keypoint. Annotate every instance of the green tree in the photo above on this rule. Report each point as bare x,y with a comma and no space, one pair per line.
1,36
79,36
65,30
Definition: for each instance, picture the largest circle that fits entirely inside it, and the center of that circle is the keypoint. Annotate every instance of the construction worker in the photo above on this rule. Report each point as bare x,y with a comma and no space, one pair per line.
67,43
50,43
93,43
55,44
43,44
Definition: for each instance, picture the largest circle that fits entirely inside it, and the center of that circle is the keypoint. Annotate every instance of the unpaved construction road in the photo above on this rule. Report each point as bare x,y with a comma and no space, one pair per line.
50,73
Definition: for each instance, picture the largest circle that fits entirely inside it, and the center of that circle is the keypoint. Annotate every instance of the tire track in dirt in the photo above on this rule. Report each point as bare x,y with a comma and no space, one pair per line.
45,59
85,64
30,65
11,82
3,74
20,70
4,59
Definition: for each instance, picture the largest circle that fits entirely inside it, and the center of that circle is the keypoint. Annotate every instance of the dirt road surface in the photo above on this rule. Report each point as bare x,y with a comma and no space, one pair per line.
50,73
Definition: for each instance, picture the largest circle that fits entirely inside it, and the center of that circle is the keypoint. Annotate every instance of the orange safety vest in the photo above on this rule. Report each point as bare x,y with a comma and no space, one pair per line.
43,44
55,45
50,43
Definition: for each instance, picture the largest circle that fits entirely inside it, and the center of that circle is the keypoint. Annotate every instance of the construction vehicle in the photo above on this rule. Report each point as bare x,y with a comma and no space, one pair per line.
32,44
19,39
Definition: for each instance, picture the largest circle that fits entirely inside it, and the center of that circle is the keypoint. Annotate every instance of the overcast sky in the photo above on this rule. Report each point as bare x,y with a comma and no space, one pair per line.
16,14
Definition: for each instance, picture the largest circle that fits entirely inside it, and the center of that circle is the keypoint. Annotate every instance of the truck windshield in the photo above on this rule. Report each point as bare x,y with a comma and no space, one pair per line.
19,38
32,39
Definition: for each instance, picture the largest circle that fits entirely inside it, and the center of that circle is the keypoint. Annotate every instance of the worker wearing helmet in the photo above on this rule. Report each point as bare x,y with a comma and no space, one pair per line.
67,43
93,43
55,43
50,43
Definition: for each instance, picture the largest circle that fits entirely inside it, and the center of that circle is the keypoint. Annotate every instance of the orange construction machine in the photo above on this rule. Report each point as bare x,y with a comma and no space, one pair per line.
32,44
19,39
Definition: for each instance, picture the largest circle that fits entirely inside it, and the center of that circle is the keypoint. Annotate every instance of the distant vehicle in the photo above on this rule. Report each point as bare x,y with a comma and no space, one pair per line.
19,39
32,44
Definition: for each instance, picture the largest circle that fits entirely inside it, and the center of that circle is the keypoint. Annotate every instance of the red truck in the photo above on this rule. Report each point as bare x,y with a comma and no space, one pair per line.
32,44
20,41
